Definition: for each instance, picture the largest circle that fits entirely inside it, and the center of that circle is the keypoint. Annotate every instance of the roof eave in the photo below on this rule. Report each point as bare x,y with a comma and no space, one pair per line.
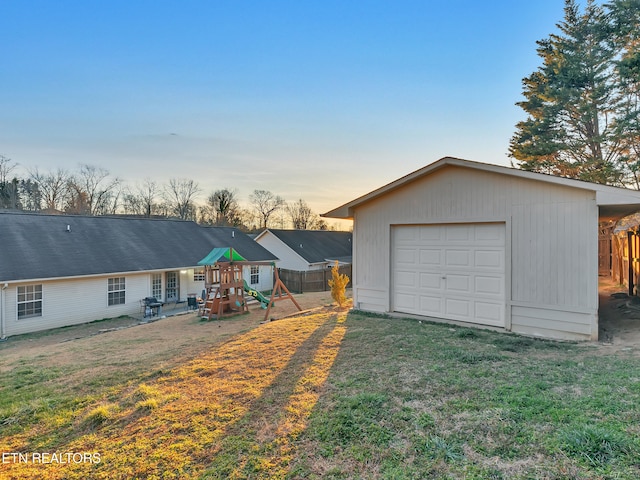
605,194
342,212
96,275
262,234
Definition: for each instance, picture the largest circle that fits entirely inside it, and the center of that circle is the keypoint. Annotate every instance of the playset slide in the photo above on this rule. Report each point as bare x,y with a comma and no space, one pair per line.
264,302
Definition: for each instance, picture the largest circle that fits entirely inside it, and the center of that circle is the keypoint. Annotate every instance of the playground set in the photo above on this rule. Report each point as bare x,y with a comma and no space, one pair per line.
225,286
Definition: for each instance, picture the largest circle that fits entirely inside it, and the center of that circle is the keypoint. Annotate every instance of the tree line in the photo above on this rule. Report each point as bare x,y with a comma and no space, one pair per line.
583,102
92,190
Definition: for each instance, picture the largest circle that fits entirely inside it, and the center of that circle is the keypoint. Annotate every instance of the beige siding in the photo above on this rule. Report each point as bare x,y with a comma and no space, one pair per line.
71,302
553,323
552,248
556,243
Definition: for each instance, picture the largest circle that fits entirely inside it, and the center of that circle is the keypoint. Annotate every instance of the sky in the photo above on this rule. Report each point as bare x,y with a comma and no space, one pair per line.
321,100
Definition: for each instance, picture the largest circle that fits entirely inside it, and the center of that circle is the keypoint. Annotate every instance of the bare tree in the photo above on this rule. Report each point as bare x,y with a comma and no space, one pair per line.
9,197
6,167
320,224
31,199
179,196
265,204
143,200
110,202
222,209
53,187
92,192
302,218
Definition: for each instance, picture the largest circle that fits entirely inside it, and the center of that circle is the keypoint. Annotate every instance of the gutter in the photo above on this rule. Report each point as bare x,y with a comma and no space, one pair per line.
3,334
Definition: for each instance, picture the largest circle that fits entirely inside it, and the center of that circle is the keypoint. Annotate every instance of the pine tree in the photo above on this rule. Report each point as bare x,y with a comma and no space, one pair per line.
624,17
571,102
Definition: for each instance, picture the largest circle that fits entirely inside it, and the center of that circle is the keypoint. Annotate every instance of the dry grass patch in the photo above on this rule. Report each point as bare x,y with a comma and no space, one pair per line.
174,426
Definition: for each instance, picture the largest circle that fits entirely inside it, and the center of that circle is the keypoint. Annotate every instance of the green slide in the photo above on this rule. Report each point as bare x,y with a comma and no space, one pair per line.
264,302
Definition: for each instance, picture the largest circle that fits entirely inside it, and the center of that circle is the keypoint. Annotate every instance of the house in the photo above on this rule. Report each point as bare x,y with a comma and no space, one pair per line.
58,270
304,250
484,244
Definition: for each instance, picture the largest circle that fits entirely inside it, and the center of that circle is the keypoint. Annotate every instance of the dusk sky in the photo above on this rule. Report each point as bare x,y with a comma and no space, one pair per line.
320,100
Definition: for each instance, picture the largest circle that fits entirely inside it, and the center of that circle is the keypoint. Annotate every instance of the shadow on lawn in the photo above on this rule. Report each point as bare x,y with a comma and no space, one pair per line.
259,443
231,413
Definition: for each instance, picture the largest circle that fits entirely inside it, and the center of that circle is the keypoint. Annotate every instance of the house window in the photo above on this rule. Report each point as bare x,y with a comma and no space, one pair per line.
156,285
30,301
198,276
255,274
116,291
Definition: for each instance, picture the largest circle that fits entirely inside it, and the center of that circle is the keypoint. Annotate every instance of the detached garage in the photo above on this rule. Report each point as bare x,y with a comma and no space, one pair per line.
486,245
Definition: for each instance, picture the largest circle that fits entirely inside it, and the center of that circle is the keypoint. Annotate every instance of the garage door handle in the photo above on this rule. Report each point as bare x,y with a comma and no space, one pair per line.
444,277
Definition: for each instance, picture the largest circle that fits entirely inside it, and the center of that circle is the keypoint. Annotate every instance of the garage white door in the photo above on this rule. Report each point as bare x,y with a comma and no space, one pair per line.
456,272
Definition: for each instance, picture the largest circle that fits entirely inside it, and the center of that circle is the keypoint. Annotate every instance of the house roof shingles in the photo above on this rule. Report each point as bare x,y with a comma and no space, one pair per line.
35,246
317,246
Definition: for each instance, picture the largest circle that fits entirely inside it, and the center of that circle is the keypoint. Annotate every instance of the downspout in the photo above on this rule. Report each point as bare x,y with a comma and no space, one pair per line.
3,334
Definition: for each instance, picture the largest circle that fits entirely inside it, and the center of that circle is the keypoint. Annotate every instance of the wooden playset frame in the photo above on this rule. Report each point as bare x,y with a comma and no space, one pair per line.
225,289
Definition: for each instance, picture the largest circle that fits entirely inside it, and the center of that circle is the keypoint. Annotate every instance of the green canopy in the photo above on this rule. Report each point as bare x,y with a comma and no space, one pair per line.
224,253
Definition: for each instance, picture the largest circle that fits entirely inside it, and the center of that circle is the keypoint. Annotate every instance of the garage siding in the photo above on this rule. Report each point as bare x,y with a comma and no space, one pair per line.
551,244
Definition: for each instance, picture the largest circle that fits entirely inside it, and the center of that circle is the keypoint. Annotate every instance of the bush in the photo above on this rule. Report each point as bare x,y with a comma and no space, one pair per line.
338,284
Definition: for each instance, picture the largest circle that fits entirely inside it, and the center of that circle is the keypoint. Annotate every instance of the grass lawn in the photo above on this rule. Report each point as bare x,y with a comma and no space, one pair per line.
331,395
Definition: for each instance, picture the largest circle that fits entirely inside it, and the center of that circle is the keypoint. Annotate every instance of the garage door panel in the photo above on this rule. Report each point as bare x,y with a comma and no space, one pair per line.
406,235
489,285
430,257
457,258
457,283
430,280
405,302
488,234
431,235
454,272
489,259
489,313
457,233
430,305
406,279
457,308
406,255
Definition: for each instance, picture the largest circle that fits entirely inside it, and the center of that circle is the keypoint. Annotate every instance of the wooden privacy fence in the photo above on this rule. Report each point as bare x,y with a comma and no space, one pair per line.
311,280
625,260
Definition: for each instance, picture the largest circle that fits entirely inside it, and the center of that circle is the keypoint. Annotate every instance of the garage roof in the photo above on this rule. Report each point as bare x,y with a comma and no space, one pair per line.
614,202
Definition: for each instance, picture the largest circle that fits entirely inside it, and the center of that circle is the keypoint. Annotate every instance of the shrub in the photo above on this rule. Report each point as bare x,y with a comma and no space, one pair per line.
338,284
